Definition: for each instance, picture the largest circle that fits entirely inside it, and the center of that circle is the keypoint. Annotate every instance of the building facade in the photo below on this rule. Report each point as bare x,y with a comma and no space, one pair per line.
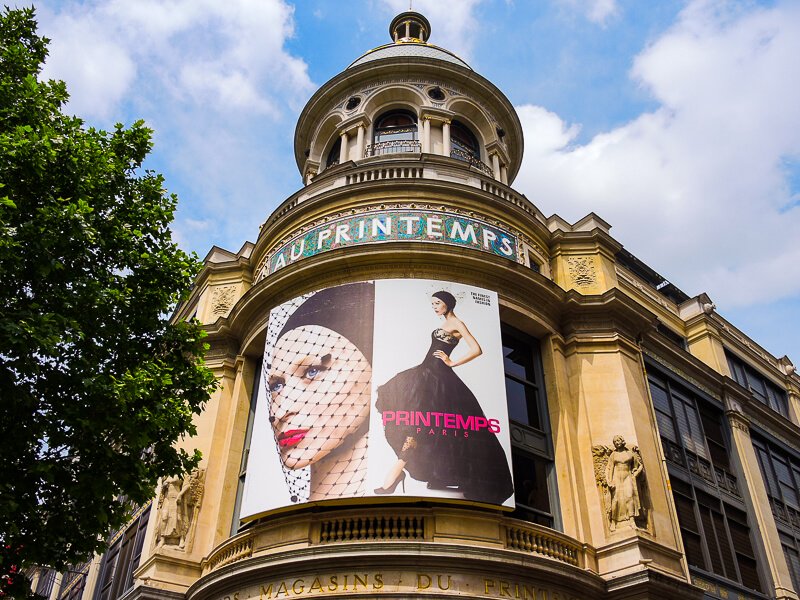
654,448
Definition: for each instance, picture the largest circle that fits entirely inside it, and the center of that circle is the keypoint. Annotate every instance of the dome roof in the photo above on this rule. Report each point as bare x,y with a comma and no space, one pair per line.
409,50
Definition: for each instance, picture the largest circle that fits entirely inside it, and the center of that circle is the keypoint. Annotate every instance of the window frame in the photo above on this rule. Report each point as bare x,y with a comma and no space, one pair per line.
719,515
544,454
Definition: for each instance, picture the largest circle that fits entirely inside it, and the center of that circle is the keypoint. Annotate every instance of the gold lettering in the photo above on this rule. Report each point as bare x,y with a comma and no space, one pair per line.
504,589
359,580
302,586
542,593
487,584
236,596
528,593
333,581
439,582
316,585
345,583
378,581
427,583
266,591
283,587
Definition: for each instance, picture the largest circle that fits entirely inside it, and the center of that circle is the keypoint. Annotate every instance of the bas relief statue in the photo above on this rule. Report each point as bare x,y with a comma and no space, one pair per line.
620,475
178,505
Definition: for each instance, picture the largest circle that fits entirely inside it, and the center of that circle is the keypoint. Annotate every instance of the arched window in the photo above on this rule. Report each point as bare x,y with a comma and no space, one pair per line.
463,143
333,155
395,131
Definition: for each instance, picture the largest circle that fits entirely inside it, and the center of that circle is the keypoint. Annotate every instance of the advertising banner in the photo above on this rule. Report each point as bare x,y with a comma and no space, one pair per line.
381,388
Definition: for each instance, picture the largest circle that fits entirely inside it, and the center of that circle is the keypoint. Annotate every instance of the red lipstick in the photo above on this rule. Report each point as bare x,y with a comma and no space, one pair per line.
291,437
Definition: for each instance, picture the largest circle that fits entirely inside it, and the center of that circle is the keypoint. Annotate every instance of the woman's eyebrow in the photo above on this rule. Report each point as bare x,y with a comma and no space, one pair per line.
302,362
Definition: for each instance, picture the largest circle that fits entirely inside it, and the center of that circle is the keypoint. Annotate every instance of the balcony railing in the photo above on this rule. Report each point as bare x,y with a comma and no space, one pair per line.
392,525
459,154
393,147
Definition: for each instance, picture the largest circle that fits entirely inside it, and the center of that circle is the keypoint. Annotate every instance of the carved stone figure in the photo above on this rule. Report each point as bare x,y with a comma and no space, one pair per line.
617,471
178,505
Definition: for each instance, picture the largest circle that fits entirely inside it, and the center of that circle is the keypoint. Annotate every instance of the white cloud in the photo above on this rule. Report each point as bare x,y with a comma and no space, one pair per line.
697,188
100,71
596,11
220,55
215,81
453,23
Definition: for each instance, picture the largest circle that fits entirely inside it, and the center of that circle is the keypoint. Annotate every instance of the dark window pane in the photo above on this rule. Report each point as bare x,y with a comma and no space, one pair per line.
522,403
793,560
518,359
710,537
530,481
689,531
333,155
764,460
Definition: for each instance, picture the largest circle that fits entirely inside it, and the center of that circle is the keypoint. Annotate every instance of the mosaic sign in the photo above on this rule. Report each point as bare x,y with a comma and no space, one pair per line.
401,226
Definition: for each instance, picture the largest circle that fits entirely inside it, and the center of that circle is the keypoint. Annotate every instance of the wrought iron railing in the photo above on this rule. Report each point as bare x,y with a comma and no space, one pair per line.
459,154
393,147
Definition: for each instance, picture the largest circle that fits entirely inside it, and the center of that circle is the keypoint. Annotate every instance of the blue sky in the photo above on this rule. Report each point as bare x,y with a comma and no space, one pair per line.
677,122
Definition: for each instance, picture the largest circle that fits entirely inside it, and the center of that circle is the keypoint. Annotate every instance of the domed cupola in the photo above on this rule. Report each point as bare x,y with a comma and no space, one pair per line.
410,27
410,100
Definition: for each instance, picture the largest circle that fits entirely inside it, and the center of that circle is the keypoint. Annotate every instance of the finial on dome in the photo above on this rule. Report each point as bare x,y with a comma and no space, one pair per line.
410,26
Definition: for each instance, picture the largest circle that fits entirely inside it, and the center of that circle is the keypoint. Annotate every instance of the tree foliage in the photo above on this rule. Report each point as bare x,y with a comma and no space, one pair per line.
96,384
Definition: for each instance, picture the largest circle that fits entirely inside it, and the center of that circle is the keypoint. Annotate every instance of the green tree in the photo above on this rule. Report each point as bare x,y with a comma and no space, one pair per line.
97,385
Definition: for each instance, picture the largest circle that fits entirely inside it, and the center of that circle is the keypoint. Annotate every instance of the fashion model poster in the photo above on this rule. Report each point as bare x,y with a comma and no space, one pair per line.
385,388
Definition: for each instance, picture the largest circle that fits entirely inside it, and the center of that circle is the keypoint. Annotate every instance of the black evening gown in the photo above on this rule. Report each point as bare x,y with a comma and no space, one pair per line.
477,463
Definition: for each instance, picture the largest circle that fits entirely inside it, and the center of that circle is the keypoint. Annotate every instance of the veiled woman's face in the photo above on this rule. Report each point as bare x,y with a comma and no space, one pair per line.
319,384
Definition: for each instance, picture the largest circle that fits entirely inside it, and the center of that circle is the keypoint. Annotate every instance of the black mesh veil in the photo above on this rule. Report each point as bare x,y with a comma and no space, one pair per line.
336,387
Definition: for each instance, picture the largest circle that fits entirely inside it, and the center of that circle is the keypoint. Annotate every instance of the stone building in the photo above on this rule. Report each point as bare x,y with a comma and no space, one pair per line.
654,447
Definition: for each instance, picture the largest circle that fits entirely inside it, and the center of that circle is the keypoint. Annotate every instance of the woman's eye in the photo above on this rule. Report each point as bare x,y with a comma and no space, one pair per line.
276,387
313,371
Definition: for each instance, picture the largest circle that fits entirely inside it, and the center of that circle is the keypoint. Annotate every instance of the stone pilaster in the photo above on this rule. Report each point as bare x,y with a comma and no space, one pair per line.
768,544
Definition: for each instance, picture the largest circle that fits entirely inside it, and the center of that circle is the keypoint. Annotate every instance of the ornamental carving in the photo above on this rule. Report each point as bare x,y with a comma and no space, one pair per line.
222,299
619,474
582,270
178,505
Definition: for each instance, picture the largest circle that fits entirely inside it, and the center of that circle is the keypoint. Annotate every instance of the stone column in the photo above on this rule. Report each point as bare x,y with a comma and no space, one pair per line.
446,137
794,406
769,550
92,576
56,587
37,574
426,134
504,174
343,149
360,142
496,166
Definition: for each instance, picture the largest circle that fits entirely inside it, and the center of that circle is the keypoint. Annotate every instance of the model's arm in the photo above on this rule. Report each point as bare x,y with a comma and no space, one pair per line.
473,345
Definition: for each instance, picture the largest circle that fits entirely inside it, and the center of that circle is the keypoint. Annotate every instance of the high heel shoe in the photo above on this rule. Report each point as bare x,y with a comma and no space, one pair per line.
390,490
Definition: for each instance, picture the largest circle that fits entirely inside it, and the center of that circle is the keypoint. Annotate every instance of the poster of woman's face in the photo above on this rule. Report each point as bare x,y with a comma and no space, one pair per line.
381,388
